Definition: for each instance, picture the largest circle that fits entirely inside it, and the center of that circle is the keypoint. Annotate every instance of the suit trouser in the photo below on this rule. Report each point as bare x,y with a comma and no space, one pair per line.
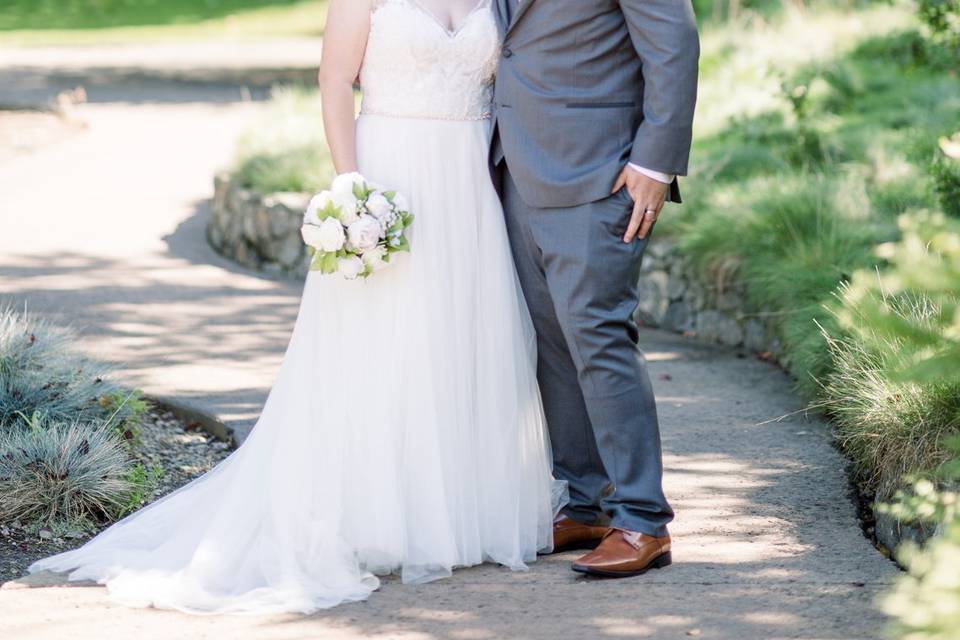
581,284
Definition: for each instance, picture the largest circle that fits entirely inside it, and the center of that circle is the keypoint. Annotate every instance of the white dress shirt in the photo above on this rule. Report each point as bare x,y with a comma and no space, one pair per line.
665,178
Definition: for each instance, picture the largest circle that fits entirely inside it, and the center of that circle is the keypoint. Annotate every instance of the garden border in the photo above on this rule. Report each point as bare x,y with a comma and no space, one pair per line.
189,412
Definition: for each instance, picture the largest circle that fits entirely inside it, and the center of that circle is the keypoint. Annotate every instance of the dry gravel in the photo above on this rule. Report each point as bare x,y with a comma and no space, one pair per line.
180,448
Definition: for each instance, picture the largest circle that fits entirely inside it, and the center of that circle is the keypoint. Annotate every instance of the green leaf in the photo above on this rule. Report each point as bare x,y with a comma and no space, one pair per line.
329,263
396,227
329,211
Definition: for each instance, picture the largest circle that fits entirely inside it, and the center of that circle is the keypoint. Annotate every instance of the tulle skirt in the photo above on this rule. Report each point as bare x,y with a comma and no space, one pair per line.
404,432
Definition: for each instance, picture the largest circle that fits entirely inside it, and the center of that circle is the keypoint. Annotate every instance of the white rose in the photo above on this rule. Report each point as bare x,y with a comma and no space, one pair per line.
373,258
379,207
318,203
311,235
364,234
343,184
350,267
330,236
400,202
347,203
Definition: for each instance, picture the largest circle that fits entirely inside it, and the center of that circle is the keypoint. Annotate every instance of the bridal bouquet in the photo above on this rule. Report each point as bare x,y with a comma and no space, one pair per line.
355,227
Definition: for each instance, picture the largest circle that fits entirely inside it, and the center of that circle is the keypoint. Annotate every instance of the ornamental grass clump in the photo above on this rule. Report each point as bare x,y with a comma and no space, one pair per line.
56,472
66,431
40,373
889,427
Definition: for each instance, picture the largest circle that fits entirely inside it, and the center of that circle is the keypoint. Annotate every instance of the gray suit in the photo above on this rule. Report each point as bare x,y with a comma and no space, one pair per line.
583,87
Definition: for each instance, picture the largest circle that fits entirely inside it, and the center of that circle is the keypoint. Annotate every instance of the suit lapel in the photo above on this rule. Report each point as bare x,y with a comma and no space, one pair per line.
502,12
519,12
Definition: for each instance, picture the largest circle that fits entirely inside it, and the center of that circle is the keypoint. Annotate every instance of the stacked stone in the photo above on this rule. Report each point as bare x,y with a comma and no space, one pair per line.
263,232
674,295
258,231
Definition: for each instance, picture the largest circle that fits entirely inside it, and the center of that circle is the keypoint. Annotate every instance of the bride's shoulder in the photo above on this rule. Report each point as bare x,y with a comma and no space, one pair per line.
377,4
345,12
358,5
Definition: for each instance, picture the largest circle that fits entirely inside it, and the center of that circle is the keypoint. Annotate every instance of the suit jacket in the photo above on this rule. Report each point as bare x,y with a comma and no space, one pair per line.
585,86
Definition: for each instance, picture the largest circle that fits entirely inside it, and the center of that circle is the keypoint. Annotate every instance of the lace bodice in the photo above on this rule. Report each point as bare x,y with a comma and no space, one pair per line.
415,67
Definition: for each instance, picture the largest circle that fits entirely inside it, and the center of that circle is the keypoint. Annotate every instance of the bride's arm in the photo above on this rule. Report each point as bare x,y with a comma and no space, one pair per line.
344,42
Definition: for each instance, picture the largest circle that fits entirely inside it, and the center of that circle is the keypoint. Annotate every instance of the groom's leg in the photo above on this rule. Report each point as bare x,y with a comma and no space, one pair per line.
575,455
592,278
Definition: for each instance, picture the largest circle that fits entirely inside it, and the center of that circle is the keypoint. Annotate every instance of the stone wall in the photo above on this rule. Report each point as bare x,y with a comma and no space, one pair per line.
674,295
262,232
258,231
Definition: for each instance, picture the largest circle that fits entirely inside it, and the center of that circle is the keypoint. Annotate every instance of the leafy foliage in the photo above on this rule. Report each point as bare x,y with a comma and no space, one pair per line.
286,149
924,266
946,175
942,17
925,603
792,200
143,482
921,357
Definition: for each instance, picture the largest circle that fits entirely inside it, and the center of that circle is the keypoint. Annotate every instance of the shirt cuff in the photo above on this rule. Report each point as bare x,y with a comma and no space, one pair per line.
665,178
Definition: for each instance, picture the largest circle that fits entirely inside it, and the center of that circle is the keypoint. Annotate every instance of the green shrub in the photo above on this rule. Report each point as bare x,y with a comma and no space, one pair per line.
40,373
144,483
794,242
63,472
942,17
125,412
924,265
925,603
286,149
946,175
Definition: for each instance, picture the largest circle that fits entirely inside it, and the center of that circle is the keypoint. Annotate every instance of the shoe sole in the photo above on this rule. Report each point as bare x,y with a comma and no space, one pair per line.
661,561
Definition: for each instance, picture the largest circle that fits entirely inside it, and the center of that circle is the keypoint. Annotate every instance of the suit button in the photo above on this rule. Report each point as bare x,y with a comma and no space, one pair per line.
507,52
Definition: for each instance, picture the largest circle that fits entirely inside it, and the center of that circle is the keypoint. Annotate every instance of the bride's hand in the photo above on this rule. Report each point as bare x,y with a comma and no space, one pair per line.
648,198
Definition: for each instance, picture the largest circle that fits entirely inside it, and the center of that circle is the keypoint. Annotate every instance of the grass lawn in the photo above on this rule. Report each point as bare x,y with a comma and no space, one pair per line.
64,22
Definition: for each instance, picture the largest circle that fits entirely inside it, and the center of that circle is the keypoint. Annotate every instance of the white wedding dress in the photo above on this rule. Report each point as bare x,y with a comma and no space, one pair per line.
404,432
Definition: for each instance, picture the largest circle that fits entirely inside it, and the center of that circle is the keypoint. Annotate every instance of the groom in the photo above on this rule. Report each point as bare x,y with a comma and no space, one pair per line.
593,108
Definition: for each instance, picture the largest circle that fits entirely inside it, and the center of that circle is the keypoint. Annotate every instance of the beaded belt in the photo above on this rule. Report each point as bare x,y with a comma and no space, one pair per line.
374,112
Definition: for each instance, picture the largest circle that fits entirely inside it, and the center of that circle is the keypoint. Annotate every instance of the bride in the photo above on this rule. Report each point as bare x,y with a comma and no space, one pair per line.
404,432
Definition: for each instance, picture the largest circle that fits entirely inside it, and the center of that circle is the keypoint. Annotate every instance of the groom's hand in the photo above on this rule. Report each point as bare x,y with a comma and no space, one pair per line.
648,198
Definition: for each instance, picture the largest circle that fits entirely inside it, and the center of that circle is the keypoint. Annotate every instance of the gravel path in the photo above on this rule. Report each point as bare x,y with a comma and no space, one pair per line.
104,229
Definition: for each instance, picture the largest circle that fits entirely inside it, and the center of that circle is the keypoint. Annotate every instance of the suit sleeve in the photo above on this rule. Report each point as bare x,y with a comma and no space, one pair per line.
664,34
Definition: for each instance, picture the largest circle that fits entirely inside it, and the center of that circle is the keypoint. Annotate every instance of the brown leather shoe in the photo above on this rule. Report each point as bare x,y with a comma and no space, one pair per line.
622,554
569,534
